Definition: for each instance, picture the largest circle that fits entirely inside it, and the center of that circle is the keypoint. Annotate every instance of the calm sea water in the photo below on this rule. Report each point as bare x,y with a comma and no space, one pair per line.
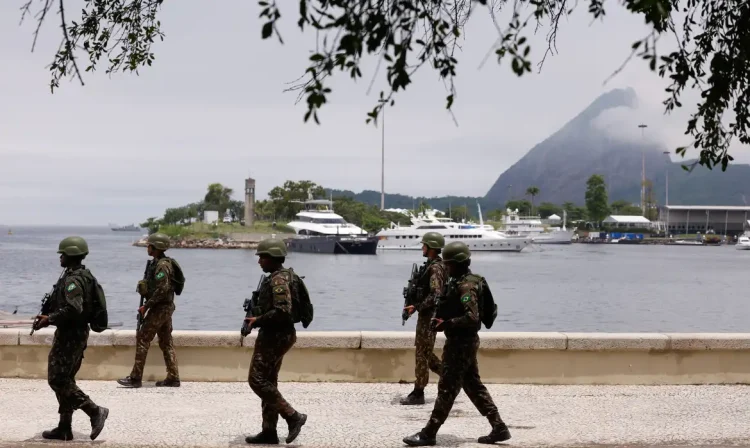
579,287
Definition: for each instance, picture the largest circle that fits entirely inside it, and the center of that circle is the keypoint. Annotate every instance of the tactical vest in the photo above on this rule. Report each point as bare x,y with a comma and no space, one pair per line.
151,282
302,308
424,278
265,295
450,306
93,302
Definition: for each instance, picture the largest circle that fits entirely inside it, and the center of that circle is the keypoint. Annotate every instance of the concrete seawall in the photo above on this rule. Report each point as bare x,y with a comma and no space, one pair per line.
354,356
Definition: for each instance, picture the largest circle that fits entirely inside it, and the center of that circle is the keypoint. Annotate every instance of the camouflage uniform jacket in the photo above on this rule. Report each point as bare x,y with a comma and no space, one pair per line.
275,301
160,290
68,307
433,282
459,306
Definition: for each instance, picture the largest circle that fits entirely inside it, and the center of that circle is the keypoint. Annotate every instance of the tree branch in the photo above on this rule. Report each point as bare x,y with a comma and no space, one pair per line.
68,44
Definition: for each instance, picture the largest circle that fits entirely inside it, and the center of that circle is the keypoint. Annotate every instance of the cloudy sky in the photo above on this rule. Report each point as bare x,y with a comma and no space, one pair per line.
212,109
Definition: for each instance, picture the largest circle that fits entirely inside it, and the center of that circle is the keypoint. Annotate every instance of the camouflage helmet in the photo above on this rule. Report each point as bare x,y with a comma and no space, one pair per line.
159,241
433,240
73,246
456,251
271,247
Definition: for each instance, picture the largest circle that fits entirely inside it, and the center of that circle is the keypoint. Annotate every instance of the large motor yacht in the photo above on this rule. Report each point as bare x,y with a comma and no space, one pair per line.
320,230
481,237
532,226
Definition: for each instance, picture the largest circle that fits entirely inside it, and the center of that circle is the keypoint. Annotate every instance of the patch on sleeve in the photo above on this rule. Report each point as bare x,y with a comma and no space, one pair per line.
71,287
278,290
160,275
465,298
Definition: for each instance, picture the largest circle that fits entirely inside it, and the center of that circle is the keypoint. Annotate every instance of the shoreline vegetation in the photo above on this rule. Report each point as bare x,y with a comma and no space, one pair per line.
220,235
184,226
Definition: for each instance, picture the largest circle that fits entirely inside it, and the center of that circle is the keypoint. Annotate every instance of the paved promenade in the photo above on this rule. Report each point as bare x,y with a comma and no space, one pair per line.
368,415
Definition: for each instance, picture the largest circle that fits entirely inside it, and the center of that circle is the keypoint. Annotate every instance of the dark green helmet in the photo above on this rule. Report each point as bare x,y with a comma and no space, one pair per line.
271,247
433,240
456,251
159,241
73,246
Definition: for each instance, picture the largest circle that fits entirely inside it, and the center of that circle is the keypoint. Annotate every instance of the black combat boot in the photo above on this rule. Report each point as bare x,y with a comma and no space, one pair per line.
263,438
420,439
63,431
415,397
500,432
130,382
98,415
295,423
168,383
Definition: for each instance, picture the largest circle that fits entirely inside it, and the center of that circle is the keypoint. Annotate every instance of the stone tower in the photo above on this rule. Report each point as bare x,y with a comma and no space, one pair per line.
249,201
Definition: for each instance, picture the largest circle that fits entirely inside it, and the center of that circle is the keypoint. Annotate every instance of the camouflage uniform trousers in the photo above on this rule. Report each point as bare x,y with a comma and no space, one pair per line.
425,357
158,321
460,370
269,351
64,361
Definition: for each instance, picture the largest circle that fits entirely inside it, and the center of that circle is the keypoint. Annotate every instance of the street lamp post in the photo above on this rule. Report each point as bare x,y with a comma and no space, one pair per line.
382,159
666,191
643,171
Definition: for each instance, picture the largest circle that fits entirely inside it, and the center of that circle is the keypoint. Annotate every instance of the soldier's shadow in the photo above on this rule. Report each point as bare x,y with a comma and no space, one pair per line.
79,438
240,441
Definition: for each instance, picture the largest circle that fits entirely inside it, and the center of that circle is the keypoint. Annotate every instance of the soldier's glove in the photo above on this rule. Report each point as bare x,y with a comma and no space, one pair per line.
436,324
142,288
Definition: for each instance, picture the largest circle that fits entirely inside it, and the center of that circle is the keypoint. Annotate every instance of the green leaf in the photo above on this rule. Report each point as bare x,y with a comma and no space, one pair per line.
267,30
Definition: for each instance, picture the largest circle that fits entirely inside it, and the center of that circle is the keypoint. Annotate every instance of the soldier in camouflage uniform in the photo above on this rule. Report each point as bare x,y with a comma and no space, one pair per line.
276,336
431,283
158,290
68,310
458,316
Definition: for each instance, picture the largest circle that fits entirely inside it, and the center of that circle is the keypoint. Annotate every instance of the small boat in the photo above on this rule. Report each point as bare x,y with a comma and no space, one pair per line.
688,243
743,243
128,228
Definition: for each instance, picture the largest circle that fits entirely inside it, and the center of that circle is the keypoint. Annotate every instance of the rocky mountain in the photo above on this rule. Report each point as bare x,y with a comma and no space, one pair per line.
560,165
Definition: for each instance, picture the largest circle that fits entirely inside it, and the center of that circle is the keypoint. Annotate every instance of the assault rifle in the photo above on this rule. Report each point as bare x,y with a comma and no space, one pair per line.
45,306
248,306
139,316
411,292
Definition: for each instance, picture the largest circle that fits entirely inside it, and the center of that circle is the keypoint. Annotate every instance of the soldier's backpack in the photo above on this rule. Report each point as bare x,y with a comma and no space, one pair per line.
178,277
95,303
487,305
302,308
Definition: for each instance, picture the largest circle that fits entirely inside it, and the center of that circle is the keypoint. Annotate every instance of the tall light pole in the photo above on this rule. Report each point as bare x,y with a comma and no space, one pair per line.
382,159
643,170
666,193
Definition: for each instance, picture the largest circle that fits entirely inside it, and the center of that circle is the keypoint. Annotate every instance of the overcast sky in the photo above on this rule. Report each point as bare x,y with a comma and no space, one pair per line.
212,109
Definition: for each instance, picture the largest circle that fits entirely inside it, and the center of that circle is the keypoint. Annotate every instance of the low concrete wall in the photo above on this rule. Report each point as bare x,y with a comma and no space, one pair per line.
533,358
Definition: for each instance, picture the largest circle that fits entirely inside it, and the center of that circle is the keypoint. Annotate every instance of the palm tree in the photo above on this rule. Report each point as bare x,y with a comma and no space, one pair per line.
532,191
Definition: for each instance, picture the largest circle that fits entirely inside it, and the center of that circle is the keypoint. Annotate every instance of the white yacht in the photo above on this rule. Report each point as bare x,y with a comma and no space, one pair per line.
743,242
478,237
320,230
318,218
531,226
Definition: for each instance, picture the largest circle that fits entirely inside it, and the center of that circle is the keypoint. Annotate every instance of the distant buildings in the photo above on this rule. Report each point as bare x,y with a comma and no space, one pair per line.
722,219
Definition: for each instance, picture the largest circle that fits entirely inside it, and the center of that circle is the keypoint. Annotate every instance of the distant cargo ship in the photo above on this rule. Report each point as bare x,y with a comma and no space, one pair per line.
130,228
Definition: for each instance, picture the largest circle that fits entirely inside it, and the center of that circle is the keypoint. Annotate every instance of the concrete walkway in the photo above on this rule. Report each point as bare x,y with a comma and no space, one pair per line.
368,415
